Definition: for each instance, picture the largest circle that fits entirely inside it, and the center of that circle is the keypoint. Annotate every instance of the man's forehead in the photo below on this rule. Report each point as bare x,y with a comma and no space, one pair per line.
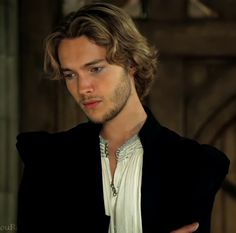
81,50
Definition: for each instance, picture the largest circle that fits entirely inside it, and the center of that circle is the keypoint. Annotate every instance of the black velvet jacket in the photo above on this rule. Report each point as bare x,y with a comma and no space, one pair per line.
61,186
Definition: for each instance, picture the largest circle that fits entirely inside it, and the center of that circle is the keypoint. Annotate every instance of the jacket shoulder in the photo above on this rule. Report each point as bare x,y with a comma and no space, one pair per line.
196,172
38,143
194,157
191,149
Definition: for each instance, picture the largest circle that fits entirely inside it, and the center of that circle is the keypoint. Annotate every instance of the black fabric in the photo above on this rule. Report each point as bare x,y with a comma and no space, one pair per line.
61,187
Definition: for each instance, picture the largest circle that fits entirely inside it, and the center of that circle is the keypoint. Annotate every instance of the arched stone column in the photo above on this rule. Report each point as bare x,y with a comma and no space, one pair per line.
8,113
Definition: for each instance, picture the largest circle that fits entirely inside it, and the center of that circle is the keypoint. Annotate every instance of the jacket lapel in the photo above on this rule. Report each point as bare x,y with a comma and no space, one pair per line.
91,149
150,136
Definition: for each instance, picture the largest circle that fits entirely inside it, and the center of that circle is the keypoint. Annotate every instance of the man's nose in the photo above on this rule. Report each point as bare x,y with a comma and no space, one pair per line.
84,85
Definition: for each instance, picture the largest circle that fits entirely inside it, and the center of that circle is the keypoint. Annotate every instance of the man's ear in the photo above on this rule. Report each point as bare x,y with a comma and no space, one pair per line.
132,69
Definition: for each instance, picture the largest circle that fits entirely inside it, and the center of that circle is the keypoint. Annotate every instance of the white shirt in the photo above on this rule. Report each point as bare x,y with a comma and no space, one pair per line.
122,196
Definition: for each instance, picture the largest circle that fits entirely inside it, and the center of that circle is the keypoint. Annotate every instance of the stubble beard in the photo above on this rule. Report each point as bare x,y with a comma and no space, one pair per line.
119,100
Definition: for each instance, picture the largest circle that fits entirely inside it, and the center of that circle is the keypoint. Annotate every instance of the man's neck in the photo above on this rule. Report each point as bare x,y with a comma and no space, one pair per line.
126,124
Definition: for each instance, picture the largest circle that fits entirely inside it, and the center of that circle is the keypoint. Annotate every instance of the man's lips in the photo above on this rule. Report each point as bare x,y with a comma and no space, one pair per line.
91,104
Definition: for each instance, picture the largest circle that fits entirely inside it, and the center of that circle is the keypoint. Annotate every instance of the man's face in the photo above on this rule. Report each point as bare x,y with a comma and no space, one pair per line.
101,89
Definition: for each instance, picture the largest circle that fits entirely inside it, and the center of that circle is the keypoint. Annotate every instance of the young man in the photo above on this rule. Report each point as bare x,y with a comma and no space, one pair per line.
121,172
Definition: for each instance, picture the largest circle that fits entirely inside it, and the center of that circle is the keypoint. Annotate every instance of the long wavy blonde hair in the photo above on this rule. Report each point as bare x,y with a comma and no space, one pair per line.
108,26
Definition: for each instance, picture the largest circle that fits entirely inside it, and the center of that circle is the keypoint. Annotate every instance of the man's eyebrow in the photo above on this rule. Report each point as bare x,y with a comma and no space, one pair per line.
64,69
94,62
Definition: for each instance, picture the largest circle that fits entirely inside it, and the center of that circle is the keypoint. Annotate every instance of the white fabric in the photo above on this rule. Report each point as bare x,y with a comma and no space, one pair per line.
124,208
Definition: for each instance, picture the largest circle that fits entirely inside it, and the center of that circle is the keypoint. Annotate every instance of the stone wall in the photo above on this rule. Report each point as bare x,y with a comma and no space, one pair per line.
8,113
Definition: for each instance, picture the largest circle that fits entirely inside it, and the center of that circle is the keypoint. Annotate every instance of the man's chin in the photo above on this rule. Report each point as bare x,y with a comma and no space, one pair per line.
95,120
101,118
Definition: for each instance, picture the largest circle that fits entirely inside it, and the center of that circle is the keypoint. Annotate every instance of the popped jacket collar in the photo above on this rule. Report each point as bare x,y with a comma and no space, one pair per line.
151,128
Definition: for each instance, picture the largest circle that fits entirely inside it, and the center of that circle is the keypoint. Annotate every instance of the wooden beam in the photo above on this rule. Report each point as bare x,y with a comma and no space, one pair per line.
202,38
166,10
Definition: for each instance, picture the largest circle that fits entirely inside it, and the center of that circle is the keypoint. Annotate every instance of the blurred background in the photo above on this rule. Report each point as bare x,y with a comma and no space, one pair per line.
194,93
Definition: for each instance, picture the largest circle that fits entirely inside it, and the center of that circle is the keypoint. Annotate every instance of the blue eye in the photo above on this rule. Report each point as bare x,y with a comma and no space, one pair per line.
68,76
96,69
